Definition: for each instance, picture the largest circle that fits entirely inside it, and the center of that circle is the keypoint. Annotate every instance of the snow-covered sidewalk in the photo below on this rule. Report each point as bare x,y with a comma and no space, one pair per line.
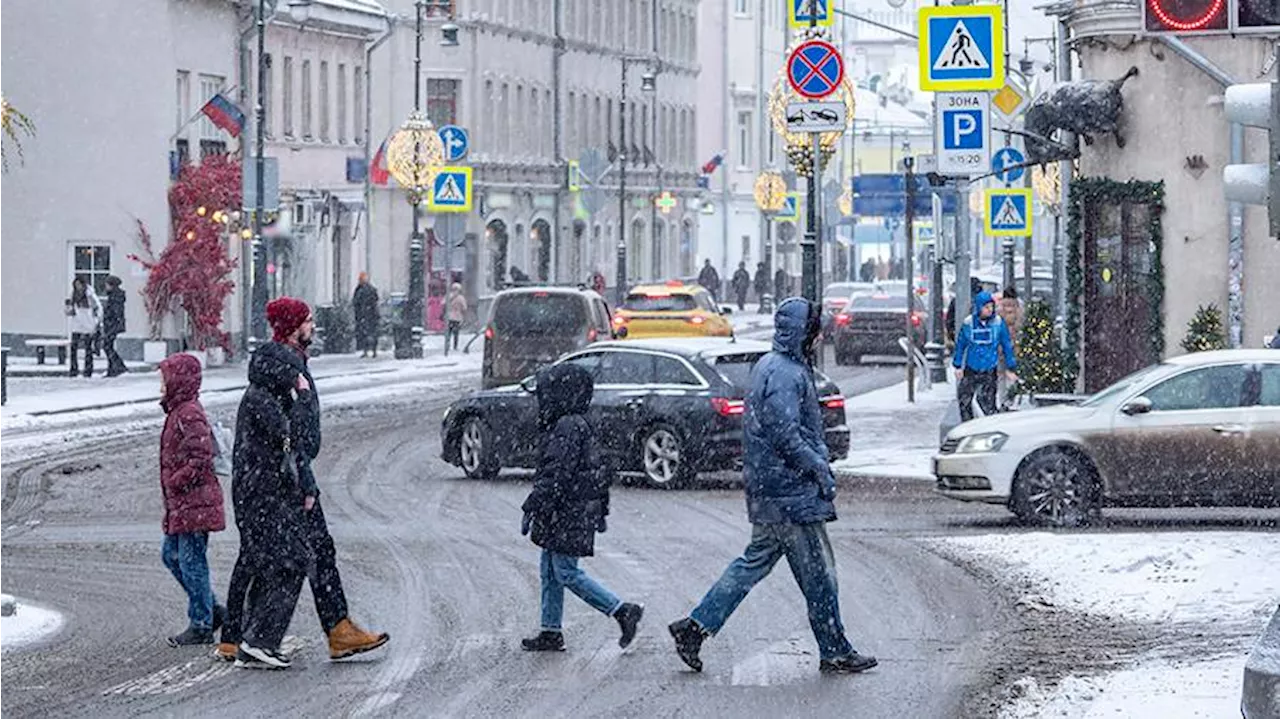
26,624
892,437
1220,588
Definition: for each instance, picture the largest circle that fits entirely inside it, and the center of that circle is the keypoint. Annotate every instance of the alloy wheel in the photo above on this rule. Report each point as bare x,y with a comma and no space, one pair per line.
472,447
661,457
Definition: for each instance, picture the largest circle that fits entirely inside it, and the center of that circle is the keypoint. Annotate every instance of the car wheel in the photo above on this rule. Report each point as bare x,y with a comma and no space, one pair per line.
475,450
663,459
1055,488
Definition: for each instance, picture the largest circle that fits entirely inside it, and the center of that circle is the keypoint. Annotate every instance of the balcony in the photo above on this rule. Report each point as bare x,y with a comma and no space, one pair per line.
1096,18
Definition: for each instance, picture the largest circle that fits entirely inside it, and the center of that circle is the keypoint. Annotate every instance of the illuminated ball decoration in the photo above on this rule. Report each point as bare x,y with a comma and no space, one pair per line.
414,155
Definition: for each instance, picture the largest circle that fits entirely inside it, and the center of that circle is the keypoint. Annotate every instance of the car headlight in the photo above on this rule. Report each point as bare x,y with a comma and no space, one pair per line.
447,410
982,443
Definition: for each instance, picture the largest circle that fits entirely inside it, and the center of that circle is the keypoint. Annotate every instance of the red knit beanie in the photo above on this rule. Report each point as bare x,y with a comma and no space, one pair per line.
286,315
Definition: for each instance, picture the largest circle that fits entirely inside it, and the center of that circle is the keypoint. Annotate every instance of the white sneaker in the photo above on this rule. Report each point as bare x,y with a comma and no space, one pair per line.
258,658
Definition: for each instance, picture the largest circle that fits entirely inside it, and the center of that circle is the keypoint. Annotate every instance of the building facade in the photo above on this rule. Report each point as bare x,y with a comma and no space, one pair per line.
112,89
537,84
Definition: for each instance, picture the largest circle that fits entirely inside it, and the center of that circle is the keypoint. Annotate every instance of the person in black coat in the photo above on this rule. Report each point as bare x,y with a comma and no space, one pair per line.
568,505
364,307
710,279
781,285
761,281
268,496
741,285
113,325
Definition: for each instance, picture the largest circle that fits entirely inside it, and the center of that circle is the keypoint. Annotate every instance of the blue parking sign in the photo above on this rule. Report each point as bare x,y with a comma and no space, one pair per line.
963,129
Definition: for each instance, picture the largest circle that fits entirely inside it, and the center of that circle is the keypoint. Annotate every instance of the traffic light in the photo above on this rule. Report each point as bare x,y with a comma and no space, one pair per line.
1185,16
1256,104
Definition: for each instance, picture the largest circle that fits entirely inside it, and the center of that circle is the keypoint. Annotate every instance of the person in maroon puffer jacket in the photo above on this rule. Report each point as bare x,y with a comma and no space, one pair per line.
192,495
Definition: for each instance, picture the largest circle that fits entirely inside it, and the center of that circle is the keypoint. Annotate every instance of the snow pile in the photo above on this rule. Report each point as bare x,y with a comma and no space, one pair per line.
892,438
1222,585
27,625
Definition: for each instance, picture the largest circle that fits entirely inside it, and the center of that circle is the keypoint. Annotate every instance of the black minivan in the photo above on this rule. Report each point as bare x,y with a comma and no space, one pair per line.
531,327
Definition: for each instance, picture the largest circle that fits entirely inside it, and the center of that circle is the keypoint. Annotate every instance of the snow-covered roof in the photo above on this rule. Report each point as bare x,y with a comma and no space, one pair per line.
870,114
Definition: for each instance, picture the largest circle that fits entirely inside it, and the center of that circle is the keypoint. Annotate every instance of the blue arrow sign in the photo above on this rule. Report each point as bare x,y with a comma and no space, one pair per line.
1008,157
456,142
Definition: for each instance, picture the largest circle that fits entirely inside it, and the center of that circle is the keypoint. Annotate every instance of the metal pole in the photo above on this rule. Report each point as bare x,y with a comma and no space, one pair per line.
413,314
258,328
809,256
963,299
909,266
1006,262
622,189
762,144
1062,64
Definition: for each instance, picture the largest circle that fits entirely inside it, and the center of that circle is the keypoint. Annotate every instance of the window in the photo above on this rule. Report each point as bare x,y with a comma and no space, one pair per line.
744,139
742,7
442,101
535,116
521,126
182,88
209,148
504,119
488,139
286,91
210,85
588,362
357,102
669,370
92,263
324,101
342,104
623,368
1270,387
440,8
268,96
736,369
1218,387
571,136
306,99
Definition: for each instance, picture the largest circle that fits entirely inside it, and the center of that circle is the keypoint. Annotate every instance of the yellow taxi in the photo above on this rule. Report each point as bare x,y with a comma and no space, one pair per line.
671,310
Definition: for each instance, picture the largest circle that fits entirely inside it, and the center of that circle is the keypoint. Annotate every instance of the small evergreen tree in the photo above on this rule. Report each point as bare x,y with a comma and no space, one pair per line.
1205,331
1041,366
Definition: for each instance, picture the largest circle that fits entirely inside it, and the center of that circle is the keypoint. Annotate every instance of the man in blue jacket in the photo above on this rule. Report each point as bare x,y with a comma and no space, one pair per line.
981,339
790,495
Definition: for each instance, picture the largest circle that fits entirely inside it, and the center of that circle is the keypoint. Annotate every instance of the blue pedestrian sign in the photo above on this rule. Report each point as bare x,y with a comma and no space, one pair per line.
815,69
451,190
801,12
1008,157
961,48
790,211
456,142
1008,212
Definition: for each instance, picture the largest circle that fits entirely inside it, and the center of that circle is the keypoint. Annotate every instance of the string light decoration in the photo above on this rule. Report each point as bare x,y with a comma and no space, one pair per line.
1048,184
799,145
770,191
414,155
845,202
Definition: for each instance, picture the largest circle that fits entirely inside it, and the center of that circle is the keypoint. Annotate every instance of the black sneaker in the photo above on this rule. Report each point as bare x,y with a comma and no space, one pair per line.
248,657
628,616
544,642
689,637
219,616
851,664
191,637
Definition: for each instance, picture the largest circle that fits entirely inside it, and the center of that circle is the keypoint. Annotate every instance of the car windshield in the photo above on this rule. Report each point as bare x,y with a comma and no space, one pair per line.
736,369
539,314
660,303
1123,386
843,290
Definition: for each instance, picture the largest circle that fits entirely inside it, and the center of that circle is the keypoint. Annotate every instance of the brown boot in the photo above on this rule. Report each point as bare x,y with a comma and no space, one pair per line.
347,640
225,652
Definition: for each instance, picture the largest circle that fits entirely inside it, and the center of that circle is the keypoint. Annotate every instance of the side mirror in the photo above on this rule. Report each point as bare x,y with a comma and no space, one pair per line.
726,310
621,333
530,384
1136,406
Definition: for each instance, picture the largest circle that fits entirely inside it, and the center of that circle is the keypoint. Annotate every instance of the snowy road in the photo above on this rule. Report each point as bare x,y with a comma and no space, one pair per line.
439,562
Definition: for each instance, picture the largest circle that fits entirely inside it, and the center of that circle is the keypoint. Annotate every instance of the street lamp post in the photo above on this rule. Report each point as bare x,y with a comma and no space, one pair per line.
417,283
257,329
648,83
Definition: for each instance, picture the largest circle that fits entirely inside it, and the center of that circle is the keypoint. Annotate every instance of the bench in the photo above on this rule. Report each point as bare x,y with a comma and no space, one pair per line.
41,345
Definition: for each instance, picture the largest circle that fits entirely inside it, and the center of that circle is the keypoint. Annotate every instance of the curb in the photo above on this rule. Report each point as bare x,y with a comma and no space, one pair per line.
1260,696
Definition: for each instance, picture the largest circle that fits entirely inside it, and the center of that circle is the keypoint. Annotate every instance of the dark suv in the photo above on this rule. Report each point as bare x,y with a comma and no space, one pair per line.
530,327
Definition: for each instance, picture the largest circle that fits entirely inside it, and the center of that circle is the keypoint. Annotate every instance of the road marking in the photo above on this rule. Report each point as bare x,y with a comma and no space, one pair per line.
181,677
785,662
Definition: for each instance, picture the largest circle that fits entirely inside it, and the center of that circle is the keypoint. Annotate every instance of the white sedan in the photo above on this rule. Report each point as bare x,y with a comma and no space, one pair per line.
1198,430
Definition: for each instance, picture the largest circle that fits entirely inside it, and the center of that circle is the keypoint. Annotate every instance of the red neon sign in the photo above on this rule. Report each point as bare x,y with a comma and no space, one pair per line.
1186,15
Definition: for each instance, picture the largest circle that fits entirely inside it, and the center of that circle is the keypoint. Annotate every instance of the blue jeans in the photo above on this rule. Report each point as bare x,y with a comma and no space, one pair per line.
561,572
808,551
184,555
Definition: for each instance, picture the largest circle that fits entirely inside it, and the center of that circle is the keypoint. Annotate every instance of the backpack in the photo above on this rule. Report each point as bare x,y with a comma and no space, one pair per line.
221,450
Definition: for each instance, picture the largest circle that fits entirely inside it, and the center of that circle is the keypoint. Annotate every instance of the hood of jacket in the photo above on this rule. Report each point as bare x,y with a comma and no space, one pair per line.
182,375
275,368
980,300
791,327
563,390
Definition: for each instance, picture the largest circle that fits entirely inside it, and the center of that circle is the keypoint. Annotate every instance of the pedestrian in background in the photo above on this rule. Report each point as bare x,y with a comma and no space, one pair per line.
741,285
710,279
456,314
84,312
113,326
568,505
364,306
982,338
780,285
598,282
790,498
192,496
761,285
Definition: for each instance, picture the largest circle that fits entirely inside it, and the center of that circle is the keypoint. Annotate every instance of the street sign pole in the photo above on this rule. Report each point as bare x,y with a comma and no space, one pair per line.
809,258
909,163
963,298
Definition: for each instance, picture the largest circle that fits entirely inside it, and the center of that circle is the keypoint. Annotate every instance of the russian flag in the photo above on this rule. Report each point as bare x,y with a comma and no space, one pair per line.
378,173
224,113
713,163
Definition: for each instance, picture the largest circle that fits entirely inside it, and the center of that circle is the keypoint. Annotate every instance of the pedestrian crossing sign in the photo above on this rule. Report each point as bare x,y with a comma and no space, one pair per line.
790,211
801,12
1008,212
451,190
961,48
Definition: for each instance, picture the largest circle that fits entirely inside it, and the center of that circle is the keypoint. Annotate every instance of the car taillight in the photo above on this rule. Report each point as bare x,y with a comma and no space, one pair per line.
592,334
842,319
728,407
835,401
488,333
916,319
